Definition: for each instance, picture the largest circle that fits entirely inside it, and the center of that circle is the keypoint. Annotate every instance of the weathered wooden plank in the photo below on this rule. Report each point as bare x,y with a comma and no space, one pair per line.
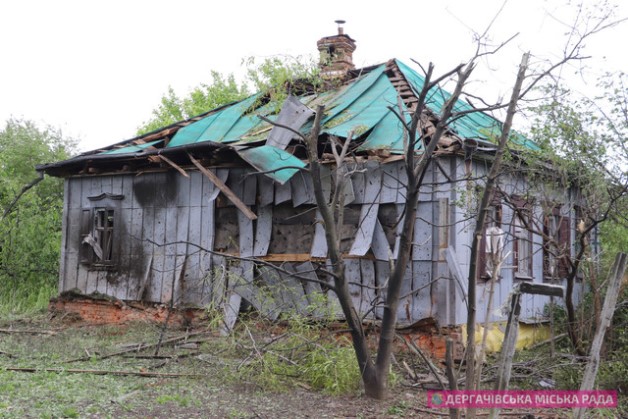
153,289
275,286
243,284
72,188
179,281
224,189
293,114
184,185
302,189
354,278
421,297
169,278
382,274
231,309
326,182
402,182
266,191
127,191
373,183
294,289
197,192
422,240
401,214
219,281
317,301
171,231
366,227
319,244
380,245
183,228
283,193
390,184
369,298
246,235
404,310
194,274
207,243
349,194
263,230
69,280
249,194
359,187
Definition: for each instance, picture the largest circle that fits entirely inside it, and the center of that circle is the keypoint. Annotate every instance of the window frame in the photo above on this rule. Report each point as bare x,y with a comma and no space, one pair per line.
522,239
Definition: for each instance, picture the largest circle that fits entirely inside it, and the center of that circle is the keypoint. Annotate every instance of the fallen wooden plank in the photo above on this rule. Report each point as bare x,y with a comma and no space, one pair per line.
224,189
174,165
101,372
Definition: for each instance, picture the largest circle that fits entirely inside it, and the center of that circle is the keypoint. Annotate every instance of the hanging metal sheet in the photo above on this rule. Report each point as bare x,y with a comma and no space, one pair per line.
273,162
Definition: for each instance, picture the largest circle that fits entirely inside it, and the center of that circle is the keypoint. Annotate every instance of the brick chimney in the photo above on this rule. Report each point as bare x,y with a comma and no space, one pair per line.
336,54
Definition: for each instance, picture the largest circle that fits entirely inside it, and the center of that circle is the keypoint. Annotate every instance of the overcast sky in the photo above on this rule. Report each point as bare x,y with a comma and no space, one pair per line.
97,69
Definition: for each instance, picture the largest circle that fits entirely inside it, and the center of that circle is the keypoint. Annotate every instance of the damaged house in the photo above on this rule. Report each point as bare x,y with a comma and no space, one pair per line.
200,212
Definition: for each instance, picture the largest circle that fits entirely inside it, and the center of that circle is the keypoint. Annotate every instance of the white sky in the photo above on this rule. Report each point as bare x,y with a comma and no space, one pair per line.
97,69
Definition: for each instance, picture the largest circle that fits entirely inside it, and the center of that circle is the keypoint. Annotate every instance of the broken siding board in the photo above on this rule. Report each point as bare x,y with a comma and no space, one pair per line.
390,184
245,287
197,189
369,297
293,288
266,191
207,243
401,214
183,185
183,228
373,184
193,273
422,240
382,274
231,309
404,310
245,236
72,188
319,244
70,279
219,280
354,280
302,189
179,284
128,192
380,245
421,300
359,186
263,230
402,183
366,227
170,238
249,194
317,304
326,182
276,288
283,193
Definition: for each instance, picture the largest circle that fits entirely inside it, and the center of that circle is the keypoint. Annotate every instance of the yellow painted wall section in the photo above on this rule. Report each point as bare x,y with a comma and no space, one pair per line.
529,334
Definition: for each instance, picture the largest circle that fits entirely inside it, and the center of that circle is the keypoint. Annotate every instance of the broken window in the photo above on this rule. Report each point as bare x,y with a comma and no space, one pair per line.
97,241
556,244
522,242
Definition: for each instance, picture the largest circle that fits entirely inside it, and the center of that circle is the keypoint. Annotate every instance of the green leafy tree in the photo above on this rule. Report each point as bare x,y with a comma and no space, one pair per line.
270,76
30,218
202,98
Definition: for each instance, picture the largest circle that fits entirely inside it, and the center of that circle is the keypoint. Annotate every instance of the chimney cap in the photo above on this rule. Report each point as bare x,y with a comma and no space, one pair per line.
340,22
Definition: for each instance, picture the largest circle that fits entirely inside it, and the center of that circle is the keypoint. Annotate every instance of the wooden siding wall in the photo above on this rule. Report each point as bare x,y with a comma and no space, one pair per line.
166,227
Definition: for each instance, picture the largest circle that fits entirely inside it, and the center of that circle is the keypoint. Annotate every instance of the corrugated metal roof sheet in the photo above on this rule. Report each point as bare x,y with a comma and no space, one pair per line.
362,105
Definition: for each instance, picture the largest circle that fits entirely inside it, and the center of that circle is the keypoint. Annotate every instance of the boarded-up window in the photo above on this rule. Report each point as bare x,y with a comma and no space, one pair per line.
556,244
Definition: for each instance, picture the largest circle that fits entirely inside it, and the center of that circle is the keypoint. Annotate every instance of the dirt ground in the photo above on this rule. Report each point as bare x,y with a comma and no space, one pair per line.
56,368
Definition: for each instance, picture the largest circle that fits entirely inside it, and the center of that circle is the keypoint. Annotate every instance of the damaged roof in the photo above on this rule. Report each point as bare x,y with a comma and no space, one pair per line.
361,105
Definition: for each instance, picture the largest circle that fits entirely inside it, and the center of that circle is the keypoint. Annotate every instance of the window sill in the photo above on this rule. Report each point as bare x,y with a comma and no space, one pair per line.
523,278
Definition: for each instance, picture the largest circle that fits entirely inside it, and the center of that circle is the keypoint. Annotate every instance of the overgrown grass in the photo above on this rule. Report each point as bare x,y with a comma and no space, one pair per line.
18,298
